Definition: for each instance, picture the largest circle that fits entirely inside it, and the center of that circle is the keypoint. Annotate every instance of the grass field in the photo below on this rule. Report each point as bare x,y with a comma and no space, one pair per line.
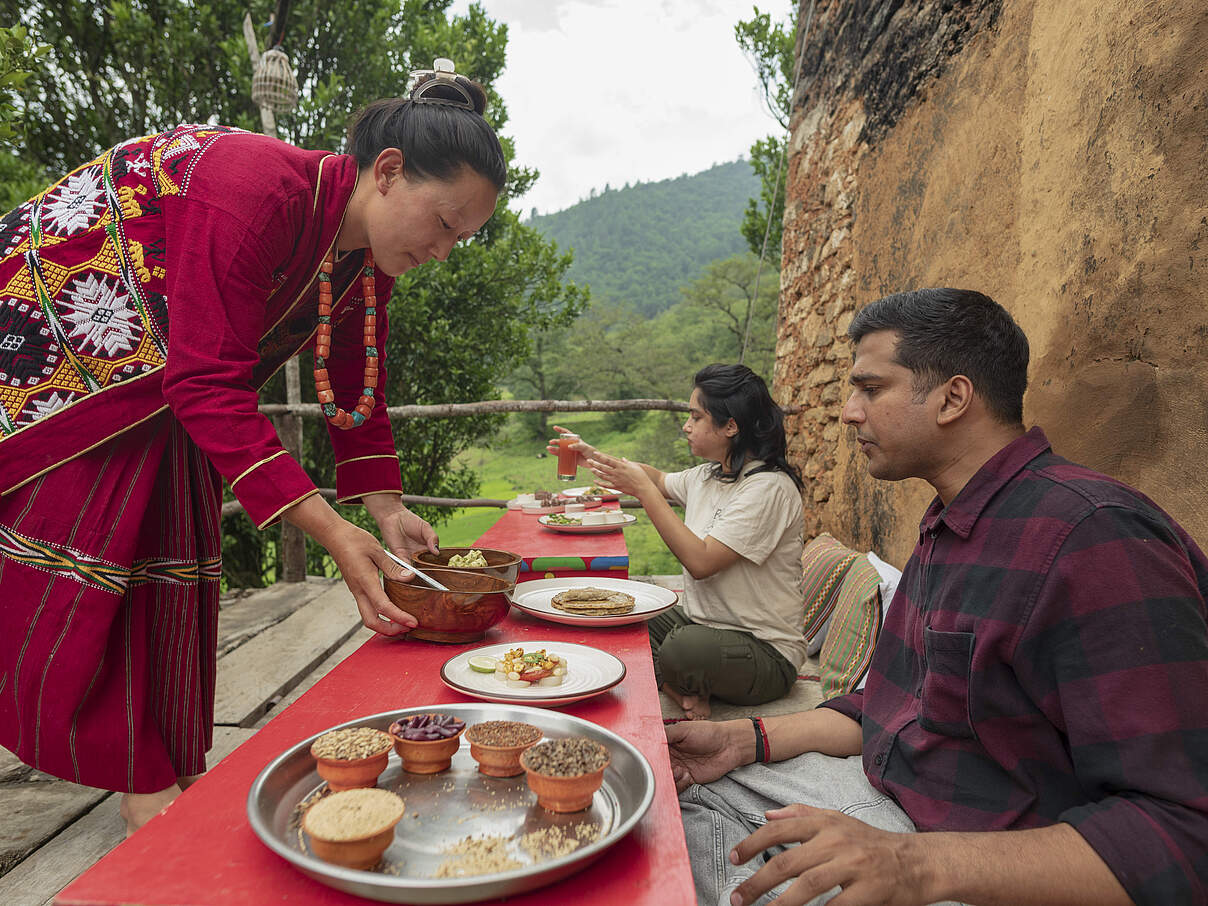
515,464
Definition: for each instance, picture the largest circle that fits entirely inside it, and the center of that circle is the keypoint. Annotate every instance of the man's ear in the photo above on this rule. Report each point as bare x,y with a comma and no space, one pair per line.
957,398
388,168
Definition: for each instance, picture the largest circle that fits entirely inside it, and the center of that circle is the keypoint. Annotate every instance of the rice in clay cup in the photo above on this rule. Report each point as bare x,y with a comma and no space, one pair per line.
498,744
353,828
351,758
565,773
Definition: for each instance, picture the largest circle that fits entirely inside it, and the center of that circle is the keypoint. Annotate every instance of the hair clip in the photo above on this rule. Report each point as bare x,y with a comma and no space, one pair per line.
433,86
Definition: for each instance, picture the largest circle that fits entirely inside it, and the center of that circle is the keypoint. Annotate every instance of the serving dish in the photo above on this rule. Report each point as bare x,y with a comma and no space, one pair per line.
581,529
452,806
535,598
473,603
590,672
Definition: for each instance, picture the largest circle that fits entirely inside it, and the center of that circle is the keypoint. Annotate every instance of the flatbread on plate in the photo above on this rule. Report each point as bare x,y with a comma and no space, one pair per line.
593,601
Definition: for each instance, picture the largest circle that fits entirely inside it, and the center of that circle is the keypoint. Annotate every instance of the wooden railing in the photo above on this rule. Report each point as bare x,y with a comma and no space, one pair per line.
286,415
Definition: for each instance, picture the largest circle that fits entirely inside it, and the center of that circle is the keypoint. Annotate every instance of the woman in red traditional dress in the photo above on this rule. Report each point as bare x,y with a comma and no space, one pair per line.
144,300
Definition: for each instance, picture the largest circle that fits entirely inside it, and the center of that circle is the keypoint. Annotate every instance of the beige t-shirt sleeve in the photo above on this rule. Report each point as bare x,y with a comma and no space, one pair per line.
675,484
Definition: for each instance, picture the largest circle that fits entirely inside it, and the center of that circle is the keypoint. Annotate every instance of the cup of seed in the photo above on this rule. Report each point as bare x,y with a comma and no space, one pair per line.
497,745
351,758
353,828
565,773
427,742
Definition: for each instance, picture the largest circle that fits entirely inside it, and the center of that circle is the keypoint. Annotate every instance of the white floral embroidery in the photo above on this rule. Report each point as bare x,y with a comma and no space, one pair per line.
42,408
138,164
75,204
101,316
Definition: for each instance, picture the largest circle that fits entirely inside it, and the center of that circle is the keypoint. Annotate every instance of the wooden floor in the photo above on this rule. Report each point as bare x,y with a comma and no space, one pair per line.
273,645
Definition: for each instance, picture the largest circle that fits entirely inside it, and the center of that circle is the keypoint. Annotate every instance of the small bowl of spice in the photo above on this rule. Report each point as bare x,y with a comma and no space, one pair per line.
498,744
427,742
565,773
353,828
351,758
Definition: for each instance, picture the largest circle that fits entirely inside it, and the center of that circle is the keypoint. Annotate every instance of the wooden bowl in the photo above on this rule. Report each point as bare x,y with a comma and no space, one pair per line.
427,756
503,564
353,847
473,604
500,760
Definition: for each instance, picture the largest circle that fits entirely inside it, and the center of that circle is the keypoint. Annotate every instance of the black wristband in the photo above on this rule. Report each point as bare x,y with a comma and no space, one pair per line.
760,755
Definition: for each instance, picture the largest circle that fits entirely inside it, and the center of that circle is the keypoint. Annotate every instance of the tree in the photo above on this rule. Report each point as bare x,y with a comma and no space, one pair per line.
727,291
20,58
769,45
130,67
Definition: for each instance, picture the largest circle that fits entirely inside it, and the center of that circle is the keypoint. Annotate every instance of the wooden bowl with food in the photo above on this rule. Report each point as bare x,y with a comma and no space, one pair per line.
503,564
474,602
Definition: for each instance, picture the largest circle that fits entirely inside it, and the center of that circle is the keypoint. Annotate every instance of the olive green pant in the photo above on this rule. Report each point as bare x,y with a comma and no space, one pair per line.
699,660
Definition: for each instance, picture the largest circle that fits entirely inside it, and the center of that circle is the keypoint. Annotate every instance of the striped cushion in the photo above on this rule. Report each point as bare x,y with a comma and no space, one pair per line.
854,630
824,563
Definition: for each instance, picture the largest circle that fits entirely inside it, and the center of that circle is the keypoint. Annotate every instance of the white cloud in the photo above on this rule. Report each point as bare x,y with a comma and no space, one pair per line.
616,91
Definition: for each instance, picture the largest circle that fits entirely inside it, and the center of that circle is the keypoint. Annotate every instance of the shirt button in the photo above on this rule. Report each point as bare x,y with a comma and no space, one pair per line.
879,759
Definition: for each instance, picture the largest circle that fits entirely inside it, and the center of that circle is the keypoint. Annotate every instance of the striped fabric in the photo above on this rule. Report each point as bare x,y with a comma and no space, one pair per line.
108,623
824,563
854,629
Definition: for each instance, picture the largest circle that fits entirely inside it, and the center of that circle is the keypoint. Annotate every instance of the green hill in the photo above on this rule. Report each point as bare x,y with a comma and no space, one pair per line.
640,244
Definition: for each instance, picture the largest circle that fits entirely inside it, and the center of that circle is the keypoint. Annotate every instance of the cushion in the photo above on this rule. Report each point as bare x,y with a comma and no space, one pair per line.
855,626
824,563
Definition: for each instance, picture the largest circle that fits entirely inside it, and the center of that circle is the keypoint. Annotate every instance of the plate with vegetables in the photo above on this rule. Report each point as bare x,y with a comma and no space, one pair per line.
535,673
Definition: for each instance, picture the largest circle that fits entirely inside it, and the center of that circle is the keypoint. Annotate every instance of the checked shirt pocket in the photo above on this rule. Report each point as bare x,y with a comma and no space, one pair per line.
944,707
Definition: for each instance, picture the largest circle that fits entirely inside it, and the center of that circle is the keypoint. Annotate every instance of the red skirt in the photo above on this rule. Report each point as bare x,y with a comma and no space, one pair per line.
109,569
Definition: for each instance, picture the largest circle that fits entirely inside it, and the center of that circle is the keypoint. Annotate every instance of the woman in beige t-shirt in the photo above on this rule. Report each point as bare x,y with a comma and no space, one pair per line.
737,632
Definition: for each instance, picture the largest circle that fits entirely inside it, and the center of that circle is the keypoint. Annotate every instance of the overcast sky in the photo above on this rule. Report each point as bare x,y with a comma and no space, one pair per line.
617,91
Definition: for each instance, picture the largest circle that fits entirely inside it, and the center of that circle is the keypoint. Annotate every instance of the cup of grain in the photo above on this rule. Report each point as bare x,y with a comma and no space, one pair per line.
497,745
353,828
565,773
351,758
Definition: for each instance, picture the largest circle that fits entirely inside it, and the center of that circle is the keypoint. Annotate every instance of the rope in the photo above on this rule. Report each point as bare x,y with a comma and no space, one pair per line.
763,251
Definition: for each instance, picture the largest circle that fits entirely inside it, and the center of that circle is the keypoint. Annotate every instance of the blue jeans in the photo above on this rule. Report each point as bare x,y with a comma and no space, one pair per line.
719,815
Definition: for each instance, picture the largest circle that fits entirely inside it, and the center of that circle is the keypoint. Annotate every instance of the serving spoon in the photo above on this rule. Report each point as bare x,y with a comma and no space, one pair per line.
415,569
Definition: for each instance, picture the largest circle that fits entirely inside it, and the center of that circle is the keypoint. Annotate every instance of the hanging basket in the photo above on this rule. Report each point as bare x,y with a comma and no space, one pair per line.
273,82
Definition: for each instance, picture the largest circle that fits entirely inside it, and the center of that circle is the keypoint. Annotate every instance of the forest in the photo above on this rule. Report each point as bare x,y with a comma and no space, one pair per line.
510,313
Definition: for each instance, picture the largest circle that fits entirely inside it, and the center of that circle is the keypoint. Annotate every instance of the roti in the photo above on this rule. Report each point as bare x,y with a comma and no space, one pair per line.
593,601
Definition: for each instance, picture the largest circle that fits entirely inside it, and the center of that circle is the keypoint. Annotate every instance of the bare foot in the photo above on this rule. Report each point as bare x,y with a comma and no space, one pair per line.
139,808
694,708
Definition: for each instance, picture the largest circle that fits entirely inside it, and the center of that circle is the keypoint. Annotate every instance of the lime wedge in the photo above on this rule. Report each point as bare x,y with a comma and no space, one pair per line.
482,663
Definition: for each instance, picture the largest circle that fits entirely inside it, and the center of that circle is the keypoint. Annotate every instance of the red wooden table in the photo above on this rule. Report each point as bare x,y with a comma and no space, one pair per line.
548,554
202,850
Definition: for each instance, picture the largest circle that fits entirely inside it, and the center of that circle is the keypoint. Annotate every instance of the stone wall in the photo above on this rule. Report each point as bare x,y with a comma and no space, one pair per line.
1051,155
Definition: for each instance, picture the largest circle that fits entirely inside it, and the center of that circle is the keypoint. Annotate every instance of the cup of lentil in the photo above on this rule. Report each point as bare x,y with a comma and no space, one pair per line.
427,742
565,773
498,744
351,758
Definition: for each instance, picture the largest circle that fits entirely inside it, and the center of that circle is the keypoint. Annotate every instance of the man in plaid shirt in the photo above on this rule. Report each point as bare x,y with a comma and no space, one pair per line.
1038,700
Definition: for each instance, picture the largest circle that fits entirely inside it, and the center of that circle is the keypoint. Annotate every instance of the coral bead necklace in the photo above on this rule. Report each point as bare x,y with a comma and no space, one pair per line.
327,398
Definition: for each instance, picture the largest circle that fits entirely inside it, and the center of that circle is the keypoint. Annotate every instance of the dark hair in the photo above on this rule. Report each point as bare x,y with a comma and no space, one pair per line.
945,332
436,139
736,392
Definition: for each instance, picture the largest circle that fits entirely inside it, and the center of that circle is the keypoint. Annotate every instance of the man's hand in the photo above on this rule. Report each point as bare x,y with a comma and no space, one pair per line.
874,867
704,751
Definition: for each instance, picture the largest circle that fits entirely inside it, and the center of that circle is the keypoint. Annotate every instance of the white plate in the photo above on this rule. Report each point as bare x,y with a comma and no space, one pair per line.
609,493
535,598
589,671
587,529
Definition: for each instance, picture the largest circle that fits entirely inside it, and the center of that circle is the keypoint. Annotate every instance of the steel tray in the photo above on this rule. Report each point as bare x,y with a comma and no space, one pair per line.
444,808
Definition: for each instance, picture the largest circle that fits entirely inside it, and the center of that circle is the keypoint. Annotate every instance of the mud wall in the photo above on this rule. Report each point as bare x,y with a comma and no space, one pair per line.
1052,155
